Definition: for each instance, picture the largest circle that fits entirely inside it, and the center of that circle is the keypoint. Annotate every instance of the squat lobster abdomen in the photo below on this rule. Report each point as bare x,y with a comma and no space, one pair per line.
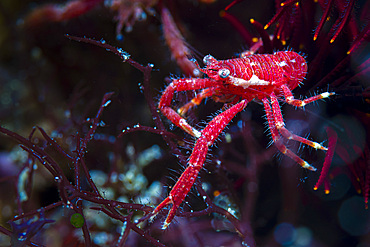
294,66
267,77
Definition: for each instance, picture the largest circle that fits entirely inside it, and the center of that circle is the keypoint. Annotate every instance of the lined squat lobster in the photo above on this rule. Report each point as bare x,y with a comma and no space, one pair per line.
266,77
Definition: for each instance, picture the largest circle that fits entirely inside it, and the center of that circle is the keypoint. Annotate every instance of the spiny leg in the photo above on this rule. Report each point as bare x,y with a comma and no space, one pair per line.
195,101
197,158
184,183
278,139
184,84
289,98
279,122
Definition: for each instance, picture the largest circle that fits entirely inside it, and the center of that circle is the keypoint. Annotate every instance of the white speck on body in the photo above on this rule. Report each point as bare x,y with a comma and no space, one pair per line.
283,63
253,81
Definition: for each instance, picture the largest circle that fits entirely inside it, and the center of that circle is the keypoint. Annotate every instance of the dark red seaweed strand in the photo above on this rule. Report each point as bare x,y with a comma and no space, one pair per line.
366,189
247,36
297,35
232,4
283,7
360,39
267,44
54,144
139,127
339,24
323,19
352,27
333,137
288,3
275,17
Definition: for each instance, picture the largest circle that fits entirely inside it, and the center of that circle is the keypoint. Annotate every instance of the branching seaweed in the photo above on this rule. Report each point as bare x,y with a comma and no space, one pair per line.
103,171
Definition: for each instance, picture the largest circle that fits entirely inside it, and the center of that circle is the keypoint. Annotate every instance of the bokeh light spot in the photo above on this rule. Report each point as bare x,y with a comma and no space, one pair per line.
353,217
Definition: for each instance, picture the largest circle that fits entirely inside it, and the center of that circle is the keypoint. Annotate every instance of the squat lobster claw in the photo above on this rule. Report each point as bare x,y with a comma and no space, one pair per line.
265,77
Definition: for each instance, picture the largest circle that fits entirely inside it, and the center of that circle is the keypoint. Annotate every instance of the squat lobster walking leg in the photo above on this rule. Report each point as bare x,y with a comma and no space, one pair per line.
177,86
277,125
208,136
277,138
300,103
195,101
279,122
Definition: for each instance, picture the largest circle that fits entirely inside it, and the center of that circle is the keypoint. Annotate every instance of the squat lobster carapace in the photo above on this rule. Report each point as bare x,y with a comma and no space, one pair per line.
266,77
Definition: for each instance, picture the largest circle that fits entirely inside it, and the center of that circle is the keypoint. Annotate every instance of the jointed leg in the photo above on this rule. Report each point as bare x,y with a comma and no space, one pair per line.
195,101
177,86
208,136
279,122
300,103
277,138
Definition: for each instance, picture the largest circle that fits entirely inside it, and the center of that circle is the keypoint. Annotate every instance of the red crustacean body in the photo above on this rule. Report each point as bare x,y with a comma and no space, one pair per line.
269,78
260,75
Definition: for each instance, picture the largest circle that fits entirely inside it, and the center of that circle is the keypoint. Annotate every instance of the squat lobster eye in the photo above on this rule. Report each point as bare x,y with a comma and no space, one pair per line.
223,73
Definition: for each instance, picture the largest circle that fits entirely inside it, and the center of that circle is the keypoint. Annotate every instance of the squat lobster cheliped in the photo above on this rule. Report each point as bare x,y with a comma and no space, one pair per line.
265,77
